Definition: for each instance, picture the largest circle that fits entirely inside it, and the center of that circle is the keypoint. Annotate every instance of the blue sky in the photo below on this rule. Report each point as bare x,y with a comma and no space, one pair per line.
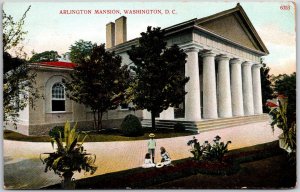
49,30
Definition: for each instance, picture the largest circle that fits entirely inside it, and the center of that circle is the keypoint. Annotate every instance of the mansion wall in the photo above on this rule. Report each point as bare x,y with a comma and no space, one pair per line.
39,119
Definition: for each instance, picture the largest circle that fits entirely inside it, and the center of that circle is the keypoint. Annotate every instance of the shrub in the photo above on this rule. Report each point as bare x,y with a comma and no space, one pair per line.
131,126
179,127
218,149
207,151
54,132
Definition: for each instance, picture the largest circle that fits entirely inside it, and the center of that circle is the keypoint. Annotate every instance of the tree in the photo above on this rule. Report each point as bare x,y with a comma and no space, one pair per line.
44,56
80,49
159,73
18,77
286,85
98,81
266,85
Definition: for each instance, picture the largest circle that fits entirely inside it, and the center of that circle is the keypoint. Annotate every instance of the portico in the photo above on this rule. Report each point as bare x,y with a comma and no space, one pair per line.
231,85
223,63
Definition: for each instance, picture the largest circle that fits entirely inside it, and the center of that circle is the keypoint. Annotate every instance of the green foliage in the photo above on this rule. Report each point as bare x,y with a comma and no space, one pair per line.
44,56
284,116
57,132
13,32
70,155
280,119
266,90
159,73
80,50
131,126
286,85
18,77
207,151
98,81
179,127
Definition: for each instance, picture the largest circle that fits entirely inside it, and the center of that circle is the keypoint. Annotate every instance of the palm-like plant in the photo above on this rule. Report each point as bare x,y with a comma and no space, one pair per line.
69,156
218,149
288,126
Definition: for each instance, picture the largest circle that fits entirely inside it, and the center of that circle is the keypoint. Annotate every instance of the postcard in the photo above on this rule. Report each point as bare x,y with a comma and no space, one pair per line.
149,95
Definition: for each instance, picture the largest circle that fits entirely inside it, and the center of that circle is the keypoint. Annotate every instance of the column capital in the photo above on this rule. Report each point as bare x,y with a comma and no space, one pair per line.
222,57
256,65
235,61
247,63
190,47
208,54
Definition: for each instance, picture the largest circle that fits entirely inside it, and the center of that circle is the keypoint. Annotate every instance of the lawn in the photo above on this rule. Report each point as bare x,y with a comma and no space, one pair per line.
261,166
103,136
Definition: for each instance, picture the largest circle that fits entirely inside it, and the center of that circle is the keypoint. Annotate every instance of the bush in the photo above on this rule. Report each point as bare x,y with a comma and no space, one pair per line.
179,127
207,151
54,132
131,126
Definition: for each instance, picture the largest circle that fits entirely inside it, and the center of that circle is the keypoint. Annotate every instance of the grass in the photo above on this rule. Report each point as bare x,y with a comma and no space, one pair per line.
103,136
270,170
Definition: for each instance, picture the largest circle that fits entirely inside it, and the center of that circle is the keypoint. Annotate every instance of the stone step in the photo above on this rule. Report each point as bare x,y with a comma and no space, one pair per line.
206,125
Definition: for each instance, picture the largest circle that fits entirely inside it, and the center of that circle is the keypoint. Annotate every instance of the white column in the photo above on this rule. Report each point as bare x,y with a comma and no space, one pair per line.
224,93
209,87
236,88
257,98
192,98
146,114
167,114
247,88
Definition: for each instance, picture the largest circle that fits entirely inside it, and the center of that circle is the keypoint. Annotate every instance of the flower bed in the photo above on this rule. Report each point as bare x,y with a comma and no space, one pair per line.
140,178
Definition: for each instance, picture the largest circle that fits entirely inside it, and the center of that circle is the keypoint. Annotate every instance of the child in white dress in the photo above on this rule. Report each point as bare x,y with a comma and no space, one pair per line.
166,160
148,161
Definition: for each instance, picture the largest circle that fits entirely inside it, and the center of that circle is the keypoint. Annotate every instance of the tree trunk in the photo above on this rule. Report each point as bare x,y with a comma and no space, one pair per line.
100,119
67,182
95,120
99,125
153,120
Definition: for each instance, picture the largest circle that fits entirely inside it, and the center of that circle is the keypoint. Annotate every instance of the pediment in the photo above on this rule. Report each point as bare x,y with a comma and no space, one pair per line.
234,25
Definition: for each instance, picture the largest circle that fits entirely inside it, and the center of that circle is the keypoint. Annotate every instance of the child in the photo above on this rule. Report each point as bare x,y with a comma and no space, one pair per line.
151,146
166,160
148,162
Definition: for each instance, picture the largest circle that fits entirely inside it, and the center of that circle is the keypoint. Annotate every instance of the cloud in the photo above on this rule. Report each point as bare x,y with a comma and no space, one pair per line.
273,34
284,66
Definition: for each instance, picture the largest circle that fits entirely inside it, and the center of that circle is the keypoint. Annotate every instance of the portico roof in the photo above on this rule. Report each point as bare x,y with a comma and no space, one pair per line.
232,25
234,21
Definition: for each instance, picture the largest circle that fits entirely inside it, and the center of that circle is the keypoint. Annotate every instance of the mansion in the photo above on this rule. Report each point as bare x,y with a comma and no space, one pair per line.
223,62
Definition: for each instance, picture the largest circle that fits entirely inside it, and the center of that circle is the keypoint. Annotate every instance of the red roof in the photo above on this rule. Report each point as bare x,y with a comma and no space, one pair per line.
58,64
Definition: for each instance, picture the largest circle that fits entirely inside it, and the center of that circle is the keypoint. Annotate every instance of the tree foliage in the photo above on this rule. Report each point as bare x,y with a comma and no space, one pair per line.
18,78
98,81
13,32
286,85
44,56
159,73
266,85
79,50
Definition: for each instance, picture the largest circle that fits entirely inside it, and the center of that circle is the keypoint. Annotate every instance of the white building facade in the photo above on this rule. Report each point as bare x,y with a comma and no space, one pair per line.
223,62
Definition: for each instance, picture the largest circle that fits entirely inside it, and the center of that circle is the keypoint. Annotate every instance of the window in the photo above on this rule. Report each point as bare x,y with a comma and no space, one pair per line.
58,97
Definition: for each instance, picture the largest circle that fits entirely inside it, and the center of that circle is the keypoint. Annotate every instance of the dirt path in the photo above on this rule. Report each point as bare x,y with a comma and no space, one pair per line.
23,169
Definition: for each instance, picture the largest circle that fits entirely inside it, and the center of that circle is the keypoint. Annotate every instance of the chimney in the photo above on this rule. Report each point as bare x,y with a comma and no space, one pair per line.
121,30
110,35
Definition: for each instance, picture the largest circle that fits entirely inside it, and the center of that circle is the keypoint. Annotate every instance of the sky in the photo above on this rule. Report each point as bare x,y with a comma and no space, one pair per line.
50,30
